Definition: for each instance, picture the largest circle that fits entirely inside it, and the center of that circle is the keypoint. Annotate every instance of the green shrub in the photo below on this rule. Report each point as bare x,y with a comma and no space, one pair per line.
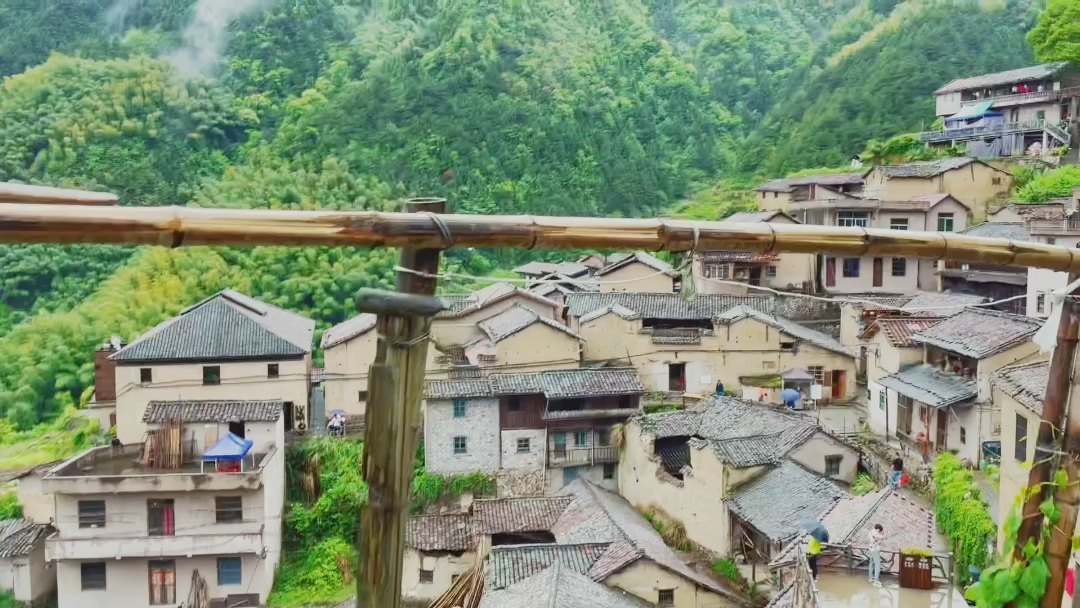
961,514
10,507
1052,184
864,484
320,575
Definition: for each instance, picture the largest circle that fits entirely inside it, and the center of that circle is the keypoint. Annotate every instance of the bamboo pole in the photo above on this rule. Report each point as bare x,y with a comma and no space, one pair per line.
396,383
1067,500
22,193
178,226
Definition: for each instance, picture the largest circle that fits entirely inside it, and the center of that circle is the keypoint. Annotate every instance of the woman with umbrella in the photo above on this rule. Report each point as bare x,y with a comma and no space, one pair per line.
816,534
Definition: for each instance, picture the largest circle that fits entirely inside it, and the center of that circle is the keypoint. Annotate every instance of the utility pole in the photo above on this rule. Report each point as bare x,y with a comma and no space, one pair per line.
396,384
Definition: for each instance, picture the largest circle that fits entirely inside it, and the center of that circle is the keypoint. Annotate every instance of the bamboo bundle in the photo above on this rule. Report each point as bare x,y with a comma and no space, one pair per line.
21,193
176,226
164,447
468,590
199,595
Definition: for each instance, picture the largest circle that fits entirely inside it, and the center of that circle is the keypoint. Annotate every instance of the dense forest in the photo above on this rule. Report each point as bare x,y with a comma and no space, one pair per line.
614,107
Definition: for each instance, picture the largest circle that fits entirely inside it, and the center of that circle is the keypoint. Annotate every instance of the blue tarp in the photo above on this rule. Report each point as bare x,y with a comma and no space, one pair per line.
229,447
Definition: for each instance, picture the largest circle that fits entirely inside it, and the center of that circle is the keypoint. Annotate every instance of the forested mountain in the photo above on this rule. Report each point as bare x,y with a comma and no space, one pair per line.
612,107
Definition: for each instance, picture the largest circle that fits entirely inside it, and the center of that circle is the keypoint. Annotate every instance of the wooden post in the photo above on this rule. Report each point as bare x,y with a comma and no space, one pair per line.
1053,418
396,383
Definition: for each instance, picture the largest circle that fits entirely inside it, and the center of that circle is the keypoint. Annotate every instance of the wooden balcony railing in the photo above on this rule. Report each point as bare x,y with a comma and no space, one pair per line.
1021,98
1067,227
999,129
573,457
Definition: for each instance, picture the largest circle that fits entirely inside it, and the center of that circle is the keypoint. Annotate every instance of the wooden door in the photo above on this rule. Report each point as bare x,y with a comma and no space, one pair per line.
755,275
879,272
826,388
830,272
942,430
838,381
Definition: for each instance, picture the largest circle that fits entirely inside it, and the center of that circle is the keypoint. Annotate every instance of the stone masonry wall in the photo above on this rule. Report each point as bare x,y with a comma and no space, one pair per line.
480,427
533,459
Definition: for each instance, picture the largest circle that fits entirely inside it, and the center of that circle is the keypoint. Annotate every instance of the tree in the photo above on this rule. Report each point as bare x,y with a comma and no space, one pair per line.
1056,36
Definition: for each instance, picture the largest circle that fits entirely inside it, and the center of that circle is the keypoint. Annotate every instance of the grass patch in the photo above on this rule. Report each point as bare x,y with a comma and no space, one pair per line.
64,437
864,484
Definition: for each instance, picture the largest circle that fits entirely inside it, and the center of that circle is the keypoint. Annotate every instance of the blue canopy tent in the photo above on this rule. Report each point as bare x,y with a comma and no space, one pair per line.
228,453
977,114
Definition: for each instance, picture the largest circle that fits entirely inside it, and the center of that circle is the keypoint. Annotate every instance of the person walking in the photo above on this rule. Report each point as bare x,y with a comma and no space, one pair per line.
897,474
876,535
719,388
813,551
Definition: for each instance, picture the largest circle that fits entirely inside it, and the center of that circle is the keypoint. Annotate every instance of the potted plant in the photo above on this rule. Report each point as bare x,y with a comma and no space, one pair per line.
916,569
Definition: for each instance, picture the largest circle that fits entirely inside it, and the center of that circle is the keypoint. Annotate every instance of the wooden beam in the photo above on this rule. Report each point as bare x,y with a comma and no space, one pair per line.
395,387
177,226
24,194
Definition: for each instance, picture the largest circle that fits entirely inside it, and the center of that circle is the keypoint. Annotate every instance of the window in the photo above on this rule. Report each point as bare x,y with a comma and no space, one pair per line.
460,408
787,346
211,374
229,571
162,583
272,370
146,375
832,464
1040,304
603,437
898,223
523,446
852,218
427,576
882,399
362,396
609,470
899,267
229,509
1021,438
1040,115
91,513
160,517
770,271
93,575
963,435
1050,240
626,401
514,404
716,271
461,445
818,373
581,438
666,597
768,365
851,267
569,474
945,222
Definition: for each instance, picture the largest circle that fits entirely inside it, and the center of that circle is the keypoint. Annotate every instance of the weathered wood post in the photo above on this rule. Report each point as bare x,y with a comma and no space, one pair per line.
395,386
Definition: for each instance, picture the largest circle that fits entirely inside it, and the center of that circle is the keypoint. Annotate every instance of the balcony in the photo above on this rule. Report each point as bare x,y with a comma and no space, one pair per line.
1069,226
188,545
574,457
590,414
112,470
964,133
689,335
1016,99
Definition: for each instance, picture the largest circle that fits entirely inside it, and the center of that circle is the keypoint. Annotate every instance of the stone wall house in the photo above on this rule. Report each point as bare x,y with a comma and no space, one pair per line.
554,421
23,569
585,529
130,527
945,403
735,473
783,271
227,347
680,345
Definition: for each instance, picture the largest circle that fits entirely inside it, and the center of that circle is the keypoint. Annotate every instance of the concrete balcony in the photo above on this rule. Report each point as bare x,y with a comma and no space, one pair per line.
573,457
109,547
965,133
112,470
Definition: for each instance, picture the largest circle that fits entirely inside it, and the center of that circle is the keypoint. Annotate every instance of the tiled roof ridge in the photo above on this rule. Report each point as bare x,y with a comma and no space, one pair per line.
607,513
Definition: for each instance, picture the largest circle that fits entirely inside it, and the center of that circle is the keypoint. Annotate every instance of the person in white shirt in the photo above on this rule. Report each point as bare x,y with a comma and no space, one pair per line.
875,554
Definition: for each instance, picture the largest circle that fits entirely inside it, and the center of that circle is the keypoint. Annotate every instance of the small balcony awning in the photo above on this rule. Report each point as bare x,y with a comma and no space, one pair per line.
229,447
974,110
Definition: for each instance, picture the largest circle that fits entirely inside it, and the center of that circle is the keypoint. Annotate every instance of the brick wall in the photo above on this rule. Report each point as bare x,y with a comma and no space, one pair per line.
480,427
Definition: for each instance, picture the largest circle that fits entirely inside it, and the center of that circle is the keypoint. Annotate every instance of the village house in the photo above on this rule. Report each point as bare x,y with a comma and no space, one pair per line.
559,585
519,339
542,430
740,476
1054,223
638,272
227,347
688,345
992,281
23,569
1019,390
945,403
778,194
539,270
974,184
783,271
890,349
1007,113
199,503
585,529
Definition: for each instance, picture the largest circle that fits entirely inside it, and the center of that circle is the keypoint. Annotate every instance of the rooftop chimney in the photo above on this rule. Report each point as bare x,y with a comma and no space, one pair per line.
105,370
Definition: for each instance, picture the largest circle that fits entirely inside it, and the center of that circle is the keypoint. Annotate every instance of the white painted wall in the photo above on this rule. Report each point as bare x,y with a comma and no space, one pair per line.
29,577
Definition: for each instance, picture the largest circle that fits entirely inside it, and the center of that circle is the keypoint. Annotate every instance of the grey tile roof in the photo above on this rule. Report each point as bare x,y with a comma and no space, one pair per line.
926,168
1026,383
940,304
983,81
18,537
898,330
214,411
439,533
755,217
928,384
226,326
463,388
342,332
569,269
664,305
821,179
460,305
979,333
615,308
639,256
507,565
559,586
742,433
599,516
515,319
517,514
777,502
564,384
907,524
787,326
1054,209
1014,231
